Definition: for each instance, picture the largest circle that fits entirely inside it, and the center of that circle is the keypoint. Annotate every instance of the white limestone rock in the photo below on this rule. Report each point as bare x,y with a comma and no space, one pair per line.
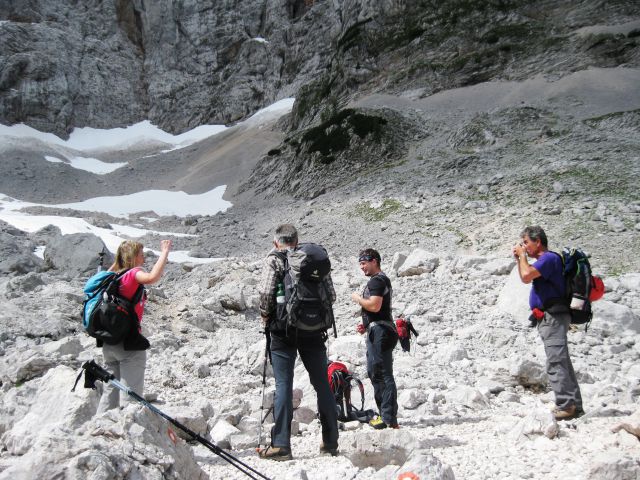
398,260
610,466
418,262
528,373
231,296
466,396
514,297
465,263
52,405
194,415
489,386
304,415
249,425
614,316
380,449
349,349
540,421
630,282
412,398
450,353
497,266
221,432
424,465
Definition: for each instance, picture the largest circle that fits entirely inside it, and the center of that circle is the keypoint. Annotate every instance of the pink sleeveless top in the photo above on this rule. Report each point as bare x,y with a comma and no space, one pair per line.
128,287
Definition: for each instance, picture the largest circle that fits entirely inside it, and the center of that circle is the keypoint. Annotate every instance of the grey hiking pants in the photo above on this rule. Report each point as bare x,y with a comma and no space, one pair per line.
562,379
128,367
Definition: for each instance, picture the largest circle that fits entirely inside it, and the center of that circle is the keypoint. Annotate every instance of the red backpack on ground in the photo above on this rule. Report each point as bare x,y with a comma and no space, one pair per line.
340,379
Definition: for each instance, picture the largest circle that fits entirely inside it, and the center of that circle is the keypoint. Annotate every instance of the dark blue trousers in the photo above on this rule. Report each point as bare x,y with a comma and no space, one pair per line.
380,344
313,354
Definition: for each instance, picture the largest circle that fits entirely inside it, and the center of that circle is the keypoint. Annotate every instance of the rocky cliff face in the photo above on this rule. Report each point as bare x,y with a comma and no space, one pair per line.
66,64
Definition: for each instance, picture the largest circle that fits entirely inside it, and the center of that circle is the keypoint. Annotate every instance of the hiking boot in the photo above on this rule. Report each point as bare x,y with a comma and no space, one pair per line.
328,450
566,414
280,454
378,423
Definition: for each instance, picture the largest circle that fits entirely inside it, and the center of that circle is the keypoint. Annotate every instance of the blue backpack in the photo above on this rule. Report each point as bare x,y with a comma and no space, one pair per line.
107,316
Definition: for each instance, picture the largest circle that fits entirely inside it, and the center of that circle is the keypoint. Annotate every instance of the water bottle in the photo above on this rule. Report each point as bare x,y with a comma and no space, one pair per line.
280,293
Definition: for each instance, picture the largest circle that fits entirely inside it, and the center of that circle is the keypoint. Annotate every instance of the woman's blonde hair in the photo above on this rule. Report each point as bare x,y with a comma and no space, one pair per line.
126,255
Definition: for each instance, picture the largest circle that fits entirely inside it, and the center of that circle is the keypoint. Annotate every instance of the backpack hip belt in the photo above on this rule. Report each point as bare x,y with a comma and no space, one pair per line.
384,323
554,305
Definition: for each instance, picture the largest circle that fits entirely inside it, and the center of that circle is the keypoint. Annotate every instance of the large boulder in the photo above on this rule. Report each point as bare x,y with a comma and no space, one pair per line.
348,349
514,296
23,365
528,373
16,252
615,317
466,396
76,254
464,263
221,433
423,465
231,296
380,449
539,421
631,282
53,405
132,443
418,262
193,414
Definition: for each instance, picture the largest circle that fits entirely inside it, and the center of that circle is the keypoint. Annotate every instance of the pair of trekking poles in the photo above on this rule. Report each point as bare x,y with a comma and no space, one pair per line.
93,372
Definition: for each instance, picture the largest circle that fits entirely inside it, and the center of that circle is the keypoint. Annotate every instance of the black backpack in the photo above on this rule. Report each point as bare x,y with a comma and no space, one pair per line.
106,315
577,272
578,284
307,306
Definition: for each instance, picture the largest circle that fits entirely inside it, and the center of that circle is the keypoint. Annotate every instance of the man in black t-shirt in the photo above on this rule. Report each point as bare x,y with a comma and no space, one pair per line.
381,337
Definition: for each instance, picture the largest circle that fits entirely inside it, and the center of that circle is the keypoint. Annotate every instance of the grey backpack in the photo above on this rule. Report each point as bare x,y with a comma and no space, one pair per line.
307,306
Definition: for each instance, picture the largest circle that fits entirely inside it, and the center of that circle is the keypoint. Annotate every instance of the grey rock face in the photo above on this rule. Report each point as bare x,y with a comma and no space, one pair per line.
113,63
15,248
321,157
179,65
76,253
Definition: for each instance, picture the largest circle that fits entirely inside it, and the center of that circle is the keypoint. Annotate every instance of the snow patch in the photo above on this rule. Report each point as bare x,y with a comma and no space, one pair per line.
92,165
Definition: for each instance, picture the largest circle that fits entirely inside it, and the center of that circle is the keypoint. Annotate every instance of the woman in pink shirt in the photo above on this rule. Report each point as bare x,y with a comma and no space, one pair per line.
127,360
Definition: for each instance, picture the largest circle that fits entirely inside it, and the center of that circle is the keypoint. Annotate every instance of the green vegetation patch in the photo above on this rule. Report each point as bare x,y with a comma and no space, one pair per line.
375,214
599,182
334,135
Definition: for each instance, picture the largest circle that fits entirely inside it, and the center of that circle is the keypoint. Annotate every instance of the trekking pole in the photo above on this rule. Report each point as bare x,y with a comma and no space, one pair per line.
94,372
267,355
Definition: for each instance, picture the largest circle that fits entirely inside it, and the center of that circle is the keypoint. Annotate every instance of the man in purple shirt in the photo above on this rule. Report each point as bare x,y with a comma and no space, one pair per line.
548,297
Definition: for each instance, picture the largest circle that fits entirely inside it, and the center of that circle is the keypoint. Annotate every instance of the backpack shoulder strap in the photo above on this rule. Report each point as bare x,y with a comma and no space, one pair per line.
130,304
361,388
277,253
